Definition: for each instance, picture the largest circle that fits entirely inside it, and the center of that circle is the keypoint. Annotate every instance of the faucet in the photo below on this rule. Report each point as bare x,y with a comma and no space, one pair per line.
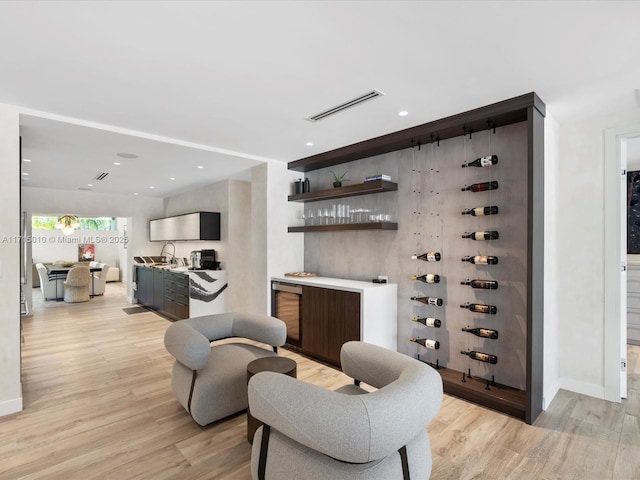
172,259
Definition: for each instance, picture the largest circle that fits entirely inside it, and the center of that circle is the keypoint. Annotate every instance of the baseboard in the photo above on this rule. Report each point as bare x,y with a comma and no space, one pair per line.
550,393
583,388
8,407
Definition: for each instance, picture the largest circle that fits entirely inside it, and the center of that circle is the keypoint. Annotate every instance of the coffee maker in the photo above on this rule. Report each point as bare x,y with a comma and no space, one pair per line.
204,260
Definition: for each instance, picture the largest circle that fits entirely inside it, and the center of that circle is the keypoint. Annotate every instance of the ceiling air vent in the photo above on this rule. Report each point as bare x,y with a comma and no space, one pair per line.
85,188
343,106
101,176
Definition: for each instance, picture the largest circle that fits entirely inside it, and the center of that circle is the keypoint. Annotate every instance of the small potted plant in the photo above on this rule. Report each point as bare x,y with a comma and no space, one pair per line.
338,179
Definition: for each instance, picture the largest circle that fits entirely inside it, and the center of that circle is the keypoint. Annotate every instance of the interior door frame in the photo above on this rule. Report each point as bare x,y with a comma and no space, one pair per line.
615,320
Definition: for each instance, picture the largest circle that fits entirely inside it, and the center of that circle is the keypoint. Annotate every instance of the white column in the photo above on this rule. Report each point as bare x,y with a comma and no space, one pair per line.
10,386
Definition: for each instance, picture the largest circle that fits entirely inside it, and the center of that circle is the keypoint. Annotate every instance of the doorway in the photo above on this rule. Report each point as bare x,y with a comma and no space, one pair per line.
616,145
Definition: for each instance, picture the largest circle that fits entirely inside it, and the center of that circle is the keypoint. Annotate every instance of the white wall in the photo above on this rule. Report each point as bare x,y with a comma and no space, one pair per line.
138,210
273,249
578,247
551,342
10,385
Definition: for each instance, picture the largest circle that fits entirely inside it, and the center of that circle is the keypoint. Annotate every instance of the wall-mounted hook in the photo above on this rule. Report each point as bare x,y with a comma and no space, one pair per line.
468,130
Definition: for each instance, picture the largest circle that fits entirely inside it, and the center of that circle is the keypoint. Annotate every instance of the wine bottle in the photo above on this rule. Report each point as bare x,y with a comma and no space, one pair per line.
426,343
484,284
482,332
428,321
428,300
481,187
486,161
481,260
427,257
481,211
484,235
481,357
480,308
427,278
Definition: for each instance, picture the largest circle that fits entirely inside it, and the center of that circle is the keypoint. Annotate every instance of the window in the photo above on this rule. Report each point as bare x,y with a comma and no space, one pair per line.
99,223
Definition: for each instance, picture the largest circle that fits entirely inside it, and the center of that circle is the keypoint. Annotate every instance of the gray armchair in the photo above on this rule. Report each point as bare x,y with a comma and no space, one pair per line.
314,433
210,382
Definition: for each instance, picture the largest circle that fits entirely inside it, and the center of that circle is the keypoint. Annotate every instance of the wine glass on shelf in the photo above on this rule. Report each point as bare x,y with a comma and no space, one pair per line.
327,216
308,219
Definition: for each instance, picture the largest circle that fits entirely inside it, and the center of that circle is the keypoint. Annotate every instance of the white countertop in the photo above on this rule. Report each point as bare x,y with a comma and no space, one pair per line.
168,268
333,283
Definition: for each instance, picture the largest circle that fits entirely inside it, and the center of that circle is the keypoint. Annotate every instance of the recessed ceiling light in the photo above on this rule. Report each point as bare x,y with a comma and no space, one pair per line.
89,184
116,163
151,186
127,155
26,160
136,193
309,144
200,166
172,178
25,173
403,113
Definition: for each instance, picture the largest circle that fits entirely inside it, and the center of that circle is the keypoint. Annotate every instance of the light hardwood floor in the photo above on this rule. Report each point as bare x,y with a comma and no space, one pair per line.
98,404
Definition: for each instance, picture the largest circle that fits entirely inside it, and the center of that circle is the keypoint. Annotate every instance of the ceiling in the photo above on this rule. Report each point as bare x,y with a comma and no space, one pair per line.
226,85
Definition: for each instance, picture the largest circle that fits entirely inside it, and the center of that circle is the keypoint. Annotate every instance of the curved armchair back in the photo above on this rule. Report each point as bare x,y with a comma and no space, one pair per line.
353,428
189,340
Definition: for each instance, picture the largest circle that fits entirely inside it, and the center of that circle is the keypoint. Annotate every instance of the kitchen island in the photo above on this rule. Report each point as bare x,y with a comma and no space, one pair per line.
180,293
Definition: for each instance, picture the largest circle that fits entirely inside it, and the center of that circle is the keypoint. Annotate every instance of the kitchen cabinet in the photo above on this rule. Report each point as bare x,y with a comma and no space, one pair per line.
144,282
190,226
180,293
158,289
176,295
329,318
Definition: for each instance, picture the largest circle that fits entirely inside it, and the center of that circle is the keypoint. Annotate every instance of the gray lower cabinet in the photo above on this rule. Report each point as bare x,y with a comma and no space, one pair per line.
165,292
176,295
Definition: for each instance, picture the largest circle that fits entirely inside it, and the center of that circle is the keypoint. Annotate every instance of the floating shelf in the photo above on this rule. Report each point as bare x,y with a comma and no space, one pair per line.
376,186
345,226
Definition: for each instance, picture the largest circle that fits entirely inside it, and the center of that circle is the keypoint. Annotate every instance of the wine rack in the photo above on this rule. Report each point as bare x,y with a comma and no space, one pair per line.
506,197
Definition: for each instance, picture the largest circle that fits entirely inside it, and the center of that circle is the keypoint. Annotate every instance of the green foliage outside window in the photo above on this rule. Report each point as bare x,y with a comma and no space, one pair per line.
101,223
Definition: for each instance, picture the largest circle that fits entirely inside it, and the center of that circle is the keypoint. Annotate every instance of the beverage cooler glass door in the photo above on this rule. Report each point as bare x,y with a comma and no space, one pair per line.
287,300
